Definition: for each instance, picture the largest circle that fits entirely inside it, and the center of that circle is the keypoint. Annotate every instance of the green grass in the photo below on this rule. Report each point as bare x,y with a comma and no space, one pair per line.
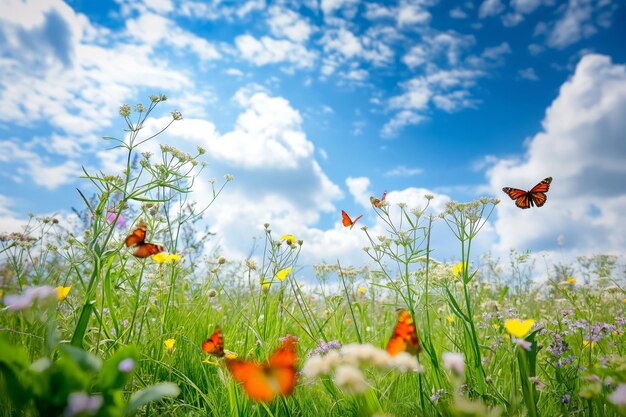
119,301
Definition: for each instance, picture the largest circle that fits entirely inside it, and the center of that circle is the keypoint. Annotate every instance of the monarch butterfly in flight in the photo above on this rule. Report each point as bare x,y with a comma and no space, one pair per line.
264,381
378,203
347,221
137,239
214,345
527,199
404,338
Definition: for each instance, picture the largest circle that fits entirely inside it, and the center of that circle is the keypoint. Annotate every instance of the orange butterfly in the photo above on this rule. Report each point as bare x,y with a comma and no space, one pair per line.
404,338
214,345
137,240
526,199
347,221
376,202
264,381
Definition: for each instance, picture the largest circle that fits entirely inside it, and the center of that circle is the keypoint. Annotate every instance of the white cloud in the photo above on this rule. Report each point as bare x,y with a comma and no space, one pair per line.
528,74
399,121
287,23
411,15
578,21
342,41
272,51
10,221
331,6
359,189
582,146
525,6
458,13
403,171
490,8
152,29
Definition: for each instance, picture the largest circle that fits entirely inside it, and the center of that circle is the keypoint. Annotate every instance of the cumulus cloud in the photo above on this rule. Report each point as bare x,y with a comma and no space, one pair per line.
490,8
582,147
267,50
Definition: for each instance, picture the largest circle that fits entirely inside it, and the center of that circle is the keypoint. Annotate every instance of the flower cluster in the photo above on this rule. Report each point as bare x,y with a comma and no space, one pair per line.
346,362
17,302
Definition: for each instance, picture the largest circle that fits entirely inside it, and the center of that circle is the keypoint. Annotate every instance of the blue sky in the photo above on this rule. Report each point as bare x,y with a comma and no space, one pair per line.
315,106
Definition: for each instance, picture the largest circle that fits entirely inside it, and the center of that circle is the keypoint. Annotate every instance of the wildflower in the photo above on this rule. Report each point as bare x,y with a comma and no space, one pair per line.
351,379
121,222
523,343
322,347
251,264
454,362
16,302
228,177
361,290
162,258
450,318
570,280
266,286
230,355
437,395
588,343
126,366
211,293
458,269
290,239
81,403
618,397
538,382
282,274
518,328
169,345
566,398
62,292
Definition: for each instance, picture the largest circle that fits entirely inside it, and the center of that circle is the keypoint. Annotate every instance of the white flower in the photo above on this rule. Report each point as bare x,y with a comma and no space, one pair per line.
618,397
17,302
454,362
81,403
351,379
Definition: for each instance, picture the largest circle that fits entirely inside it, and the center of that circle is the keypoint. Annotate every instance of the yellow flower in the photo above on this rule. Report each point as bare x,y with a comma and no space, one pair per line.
458,269
495,326
361,290
291,239
518,328
570,280
62,292
162,258
450,318
169,345
230,355
625,300
588,343
282,274
265,286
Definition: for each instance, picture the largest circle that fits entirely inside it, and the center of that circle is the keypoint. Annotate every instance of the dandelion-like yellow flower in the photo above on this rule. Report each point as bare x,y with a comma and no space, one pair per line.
169,345
450,318
518,328
291,239
361,290
282,274
570,280
230,355
588,343
458,269
62,292
162,258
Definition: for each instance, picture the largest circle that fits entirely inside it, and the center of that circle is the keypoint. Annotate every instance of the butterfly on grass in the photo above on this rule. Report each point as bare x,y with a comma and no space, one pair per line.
263,381
137,239
214,345
527,199
347,221
378,203
404,338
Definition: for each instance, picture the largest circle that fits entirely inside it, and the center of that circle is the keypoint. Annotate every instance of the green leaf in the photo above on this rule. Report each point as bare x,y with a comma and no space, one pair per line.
152,393
83,321
87,362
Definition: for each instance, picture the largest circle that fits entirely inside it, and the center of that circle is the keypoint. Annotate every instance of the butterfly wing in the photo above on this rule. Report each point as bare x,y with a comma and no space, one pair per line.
521,197
355,220
137,237
147,249
253,379
404,338
538,195
345,219
376,202
214,345
282,366
264,382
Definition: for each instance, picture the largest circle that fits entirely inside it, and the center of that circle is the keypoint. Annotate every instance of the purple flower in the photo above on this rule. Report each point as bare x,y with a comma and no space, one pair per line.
81,403
566,398
322,347
437,395
19,302
121,221
126,366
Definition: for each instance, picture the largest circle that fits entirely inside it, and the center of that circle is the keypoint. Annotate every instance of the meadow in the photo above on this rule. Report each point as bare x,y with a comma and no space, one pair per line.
88,329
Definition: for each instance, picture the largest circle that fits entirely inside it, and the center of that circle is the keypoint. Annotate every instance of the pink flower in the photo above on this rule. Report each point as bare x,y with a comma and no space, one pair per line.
121,222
